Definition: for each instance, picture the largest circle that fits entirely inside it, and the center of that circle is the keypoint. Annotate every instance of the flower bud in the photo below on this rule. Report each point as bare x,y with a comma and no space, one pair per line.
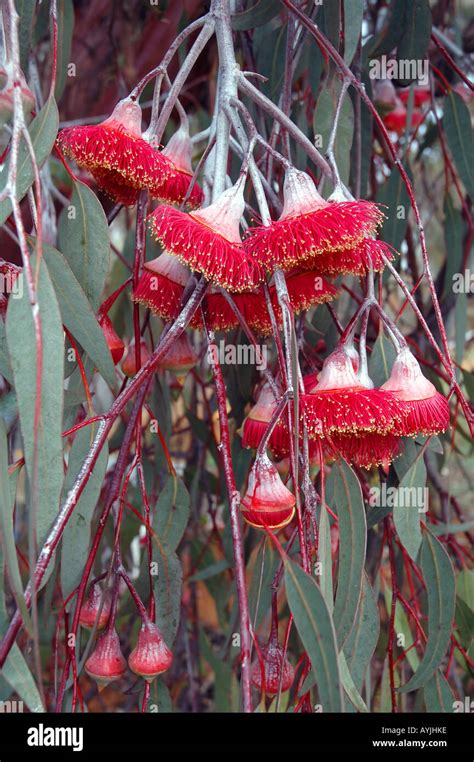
90,608
107,662
114,342
267,502
151,656
276,670
129,366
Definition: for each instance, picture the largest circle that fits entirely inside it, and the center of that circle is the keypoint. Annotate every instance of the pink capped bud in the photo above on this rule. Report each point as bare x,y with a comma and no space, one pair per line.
151,656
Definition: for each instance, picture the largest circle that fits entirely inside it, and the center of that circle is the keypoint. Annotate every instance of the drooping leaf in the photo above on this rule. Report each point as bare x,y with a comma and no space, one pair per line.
323,122
353,16
77,314
25,10
43,131
416,34
393,194
83,236
316,630
349,685
457,126
15,670
438,574
362,640
438,694
352,545
453,237
5,364
76,538
391,32
23,353
65,13
381,359
325,558
410,505
7,531
168,587
464,617
172,513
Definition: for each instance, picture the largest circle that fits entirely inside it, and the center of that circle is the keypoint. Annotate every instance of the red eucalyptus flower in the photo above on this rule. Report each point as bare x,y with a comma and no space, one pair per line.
278,673
396,120
364,450
357,260
180,357
341,403
310,226
428,410
151,656
174,186
260,415
114,342
90,608
106,662
115,152
267,503
208,240
161,286
129,365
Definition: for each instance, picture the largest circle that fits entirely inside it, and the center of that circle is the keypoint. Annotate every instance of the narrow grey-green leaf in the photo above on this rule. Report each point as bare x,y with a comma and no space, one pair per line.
172,513
25,10
353,16
15,670
362,640
43,131
83,236
7,531
394,195
23,353
438,694
349,685
325,558
441,529
168,589
438,574
77,314
410,504
5,364
381,359
416,35
76,538
323,122
65,13
352,545
316,630
457,126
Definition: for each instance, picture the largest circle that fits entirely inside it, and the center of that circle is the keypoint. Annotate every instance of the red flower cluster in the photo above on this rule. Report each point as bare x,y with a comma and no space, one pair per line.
123,163
346,417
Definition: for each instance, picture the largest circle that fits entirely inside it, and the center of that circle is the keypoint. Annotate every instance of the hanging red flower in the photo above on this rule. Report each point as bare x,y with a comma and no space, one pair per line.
310,226
427,409
115,152
208,240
